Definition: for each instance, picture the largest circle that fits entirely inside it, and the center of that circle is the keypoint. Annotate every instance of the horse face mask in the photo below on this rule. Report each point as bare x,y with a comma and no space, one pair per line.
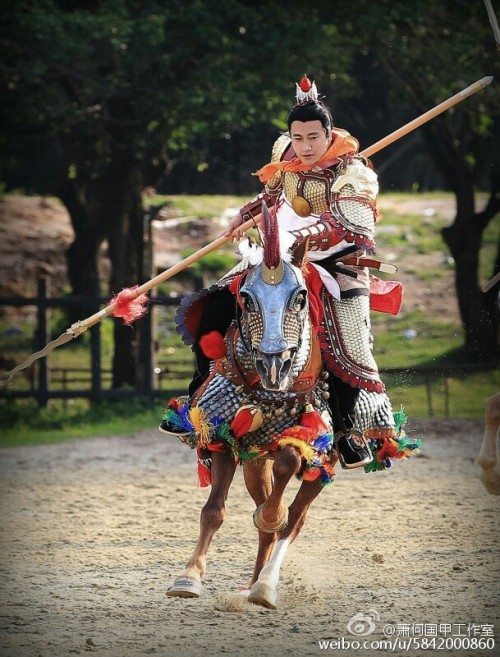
274,315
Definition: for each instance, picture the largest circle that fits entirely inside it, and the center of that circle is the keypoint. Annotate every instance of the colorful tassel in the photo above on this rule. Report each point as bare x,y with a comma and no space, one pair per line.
204,475
389,444
198,419
323,443
251,453
305,450
304,434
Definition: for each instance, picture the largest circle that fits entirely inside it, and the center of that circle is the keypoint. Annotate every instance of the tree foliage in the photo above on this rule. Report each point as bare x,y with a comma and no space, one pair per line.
432,51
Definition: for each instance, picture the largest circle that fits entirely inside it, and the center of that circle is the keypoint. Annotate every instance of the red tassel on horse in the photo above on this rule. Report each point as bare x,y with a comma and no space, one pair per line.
213,346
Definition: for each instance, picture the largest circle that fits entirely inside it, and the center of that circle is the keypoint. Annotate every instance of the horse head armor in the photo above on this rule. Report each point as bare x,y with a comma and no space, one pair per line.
275,310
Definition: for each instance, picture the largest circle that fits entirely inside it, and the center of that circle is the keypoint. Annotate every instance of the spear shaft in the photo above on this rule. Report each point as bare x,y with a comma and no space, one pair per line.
427,116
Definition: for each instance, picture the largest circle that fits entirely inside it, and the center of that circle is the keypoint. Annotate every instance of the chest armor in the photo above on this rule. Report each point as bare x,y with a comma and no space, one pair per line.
314,186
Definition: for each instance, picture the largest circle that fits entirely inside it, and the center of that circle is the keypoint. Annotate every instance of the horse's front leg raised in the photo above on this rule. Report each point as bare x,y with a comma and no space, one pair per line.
259,482
272,515
188,584
264,590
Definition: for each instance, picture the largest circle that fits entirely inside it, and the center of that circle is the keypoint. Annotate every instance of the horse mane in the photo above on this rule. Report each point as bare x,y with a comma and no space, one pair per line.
270,238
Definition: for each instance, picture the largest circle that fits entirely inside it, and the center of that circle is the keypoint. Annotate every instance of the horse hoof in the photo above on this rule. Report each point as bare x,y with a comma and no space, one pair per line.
185,587
263,594
280,524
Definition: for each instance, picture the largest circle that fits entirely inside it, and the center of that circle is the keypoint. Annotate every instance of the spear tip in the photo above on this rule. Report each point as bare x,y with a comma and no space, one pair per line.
484,82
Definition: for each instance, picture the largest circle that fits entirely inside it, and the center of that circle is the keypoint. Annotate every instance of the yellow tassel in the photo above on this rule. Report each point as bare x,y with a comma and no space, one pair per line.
305,450
197,418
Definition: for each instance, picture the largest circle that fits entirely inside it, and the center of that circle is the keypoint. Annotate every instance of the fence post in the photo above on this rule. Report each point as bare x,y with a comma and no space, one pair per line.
428,388
446,396
145,366
42,338
95,346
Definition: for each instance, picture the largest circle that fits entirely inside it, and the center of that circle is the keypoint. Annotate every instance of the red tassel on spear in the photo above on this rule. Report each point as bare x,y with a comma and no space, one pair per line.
128,306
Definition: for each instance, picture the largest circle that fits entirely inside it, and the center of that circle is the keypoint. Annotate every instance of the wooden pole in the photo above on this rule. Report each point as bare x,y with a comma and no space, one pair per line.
427,116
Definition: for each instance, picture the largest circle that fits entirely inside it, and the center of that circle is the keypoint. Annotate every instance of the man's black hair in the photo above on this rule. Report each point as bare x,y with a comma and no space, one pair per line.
311,111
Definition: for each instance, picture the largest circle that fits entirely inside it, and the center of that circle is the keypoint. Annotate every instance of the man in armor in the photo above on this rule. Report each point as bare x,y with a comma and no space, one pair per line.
324,193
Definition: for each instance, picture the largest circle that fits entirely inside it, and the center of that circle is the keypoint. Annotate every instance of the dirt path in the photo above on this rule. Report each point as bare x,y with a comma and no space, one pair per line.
94,531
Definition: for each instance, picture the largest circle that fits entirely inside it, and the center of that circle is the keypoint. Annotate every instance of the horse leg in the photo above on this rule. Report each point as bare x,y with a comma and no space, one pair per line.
489,456
263,591
188,584
259,482
271,515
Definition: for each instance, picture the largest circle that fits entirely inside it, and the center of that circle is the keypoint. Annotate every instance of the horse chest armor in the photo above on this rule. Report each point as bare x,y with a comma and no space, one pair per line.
222,398
227,390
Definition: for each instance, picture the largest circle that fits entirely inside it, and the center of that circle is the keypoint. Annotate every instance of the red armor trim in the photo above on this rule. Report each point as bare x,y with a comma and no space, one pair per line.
335,355
341,232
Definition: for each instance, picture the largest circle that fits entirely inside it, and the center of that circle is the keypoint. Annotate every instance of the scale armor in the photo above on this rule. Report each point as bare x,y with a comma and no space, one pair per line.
281,410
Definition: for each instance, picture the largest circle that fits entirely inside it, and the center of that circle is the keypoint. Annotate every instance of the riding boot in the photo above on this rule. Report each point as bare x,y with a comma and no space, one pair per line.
350,444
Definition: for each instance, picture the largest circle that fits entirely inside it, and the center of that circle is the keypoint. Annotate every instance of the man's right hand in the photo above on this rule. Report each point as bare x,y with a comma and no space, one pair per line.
236,221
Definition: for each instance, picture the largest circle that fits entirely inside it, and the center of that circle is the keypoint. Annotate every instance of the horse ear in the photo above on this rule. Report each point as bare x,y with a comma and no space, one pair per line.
299,252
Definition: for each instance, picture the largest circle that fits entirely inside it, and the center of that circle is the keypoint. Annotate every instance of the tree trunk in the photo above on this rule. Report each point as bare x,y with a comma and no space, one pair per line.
464,239
82,254
126,239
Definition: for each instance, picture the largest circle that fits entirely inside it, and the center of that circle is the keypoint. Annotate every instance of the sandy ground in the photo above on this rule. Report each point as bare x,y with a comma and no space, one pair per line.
93,532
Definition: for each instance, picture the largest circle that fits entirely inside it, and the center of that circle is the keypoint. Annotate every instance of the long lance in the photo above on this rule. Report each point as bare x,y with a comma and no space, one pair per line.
131,303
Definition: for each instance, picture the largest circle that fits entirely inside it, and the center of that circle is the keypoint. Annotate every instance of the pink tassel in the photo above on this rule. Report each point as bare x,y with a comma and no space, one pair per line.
128,306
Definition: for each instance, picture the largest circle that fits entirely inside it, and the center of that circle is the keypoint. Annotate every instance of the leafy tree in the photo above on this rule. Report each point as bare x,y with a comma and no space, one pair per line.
114,89
431,51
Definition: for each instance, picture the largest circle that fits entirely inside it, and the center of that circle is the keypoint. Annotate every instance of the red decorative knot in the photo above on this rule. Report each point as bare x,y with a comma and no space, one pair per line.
305,84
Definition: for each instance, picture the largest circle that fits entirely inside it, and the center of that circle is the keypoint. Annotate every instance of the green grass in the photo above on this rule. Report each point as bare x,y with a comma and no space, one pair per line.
436,343
394,346
202,205
23,423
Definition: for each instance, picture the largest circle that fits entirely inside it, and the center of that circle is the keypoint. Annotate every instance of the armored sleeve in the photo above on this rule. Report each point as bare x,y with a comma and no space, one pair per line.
353,212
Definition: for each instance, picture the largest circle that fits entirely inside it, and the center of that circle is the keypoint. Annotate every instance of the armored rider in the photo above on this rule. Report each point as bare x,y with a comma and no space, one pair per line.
324,192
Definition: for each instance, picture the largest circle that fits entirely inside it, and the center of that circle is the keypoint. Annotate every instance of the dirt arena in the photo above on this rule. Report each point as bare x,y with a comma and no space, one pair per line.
94,531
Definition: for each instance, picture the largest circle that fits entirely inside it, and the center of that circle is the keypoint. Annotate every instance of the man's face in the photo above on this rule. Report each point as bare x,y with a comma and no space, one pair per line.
309,140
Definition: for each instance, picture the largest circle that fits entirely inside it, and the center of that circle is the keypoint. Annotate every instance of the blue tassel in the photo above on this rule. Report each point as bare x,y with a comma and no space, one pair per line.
323,443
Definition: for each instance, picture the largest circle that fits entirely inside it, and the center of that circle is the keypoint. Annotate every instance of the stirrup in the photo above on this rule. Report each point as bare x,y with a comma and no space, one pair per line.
353,450
280,524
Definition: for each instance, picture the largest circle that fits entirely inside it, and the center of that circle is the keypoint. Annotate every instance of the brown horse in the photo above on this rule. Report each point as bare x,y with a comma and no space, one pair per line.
264,404
269,388
489,455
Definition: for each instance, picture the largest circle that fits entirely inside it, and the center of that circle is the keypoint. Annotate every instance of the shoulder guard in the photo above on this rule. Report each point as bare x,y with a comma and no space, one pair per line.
358,176
280,147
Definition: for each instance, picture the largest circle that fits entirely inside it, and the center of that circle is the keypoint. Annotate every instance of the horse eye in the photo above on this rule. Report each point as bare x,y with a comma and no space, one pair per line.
299,302
249,303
